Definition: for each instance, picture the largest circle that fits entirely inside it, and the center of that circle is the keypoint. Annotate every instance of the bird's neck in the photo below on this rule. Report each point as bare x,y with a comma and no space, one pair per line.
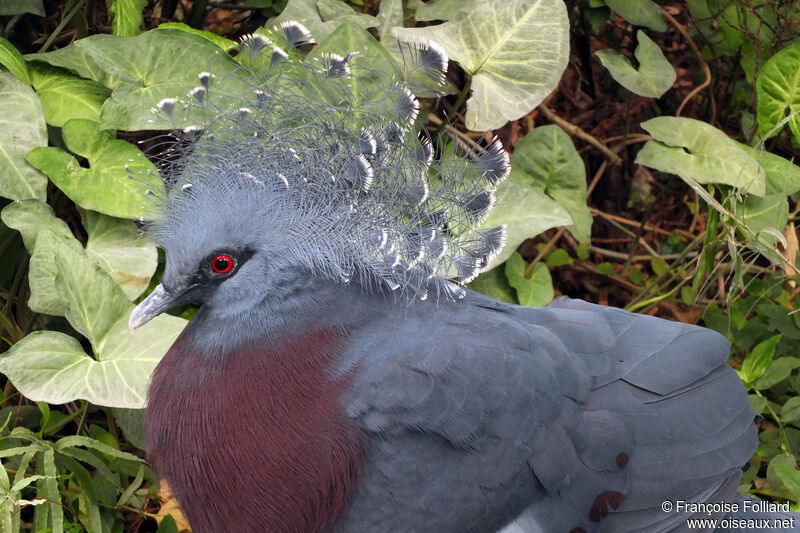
254,439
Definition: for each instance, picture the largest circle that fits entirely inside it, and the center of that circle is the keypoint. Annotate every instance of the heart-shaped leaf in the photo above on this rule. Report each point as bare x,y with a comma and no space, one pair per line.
143,70
547,160
494,284
655,75
694,149
536,291
108,160
515,50
52,367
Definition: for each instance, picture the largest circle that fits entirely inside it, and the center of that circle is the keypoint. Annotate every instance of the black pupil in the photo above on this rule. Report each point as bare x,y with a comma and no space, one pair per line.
222,263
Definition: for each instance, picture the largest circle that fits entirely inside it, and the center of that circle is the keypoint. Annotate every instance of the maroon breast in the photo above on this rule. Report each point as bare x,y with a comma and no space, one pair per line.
254,440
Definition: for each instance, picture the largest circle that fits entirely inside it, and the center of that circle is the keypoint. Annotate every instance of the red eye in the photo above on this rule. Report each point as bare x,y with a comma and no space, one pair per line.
222,264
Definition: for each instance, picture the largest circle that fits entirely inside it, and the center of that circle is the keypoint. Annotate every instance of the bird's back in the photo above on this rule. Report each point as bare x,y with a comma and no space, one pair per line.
575,416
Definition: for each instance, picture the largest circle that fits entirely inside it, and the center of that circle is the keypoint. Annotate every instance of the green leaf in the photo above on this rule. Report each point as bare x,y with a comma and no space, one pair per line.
168,525
108,159
322,17
127,494
777,371
128,17
778,92
72,441
635,275
688,294
45,409
765,217
558,257
547,159
536,291
605,269
640,13
65,96
21,484
790,412
789,476
441,9
23,130
696,150
782,175
131,422
390,16
494,284
714,21
526,212
582,251
514,50
226,44
29,217
757,403
658,265
754,366
42,275
7,498
17,7
94,302
115,245
11,59
50,366
49,489
79,57
785,460
655,75
144,70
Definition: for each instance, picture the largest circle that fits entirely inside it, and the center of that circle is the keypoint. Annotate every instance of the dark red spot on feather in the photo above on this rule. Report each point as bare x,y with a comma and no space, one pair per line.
600,506
254,440
577,530
622,460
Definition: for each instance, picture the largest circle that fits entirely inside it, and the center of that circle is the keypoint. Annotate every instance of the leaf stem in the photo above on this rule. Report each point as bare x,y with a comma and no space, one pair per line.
703,65
576,131
64,21
462,96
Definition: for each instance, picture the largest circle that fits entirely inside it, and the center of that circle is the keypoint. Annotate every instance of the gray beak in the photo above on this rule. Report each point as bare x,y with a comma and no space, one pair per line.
159,301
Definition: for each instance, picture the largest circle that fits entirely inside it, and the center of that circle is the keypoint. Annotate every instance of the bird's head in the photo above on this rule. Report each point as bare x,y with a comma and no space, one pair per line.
314,177
224,250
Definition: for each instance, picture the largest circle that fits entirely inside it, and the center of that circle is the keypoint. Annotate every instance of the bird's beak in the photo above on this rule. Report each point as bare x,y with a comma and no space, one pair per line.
159,301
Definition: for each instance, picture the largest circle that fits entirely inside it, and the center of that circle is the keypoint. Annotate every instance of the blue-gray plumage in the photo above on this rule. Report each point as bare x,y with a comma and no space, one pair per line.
334,380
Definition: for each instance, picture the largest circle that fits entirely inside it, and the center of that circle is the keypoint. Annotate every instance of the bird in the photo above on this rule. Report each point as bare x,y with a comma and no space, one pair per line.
338,376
